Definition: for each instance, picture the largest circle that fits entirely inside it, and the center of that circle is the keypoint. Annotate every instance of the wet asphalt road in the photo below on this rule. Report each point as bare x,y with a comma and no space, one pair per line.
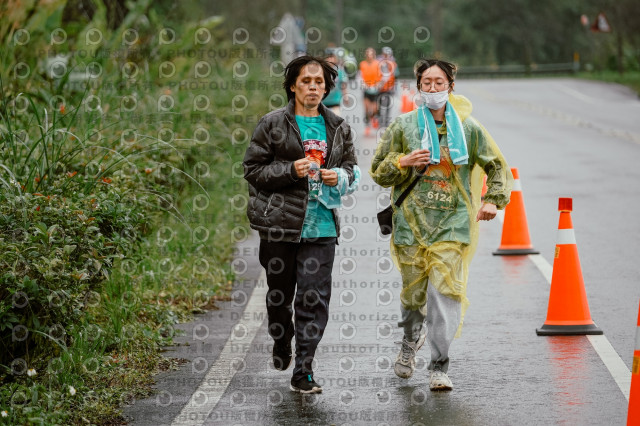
568,138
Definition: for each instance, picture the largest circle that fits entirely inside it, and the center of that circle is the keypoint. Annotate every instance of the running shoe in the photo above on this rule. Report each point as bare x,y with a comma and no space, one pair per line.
406,360
439,381
305,385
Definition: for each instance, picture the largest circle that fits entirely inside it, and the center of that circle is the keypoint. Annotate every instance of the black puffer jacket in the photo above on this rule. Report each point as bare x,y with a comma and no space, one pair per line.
277,197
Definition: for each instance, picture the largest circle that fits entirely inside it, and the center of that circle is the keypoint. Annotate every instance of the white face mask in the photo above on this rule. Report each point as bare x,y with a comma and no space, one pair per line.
435,100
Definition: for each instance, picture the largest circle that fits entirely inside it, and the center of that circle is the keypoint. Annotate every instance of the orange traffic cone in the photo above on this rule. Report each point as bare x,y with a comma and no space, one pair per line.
484,187
407,104
515,231
633,417
568,312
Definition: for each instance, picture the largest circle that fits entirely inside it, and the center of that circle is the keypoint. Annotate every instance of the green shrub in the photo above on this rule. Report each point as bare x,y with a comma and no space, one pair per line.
106,239
54,253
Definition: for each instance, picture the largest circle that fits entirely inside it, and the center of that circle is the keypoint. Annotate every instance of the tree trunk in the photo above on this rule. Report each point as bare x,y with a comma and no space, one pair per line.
528,57
620,61
437,28
339,26
116,12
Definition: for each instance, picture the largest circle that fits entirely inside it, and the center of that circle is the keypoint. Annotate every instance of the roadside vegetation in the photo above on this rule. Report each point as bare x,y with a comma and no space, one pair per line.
122,129
119,170
630,79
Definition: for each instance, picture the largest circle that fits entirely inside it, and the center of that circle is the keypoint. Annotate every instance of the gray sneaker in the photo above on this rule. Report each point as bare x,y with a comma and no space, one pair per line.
406,360
439,381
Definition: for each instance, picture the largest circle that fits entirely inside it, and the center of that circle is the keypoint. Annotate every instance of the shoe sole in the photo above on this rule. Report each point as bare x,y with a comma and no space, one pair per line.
421,340
314,390
441,388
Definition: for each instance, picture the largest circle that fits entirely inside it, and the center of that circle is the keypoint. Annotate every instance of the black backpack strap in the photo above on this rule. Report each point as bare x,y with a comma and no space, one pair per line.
410,187
413,184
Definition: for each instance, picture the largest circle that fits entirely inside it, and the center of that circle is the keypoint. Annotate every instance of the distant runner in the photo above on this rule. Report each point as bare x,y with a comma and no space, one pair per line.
334,98
372,82
389,70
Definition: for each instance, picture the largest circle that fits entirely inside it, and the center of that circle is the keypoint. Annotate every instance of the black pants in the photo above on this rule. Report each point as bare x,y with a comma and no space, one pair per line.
385,103
307,264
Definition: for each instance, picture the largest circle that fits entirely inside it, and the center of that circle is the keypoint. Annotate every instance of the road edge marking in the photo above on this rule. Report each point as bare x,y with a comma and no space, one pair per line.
581,96
543,266
220,374
618,369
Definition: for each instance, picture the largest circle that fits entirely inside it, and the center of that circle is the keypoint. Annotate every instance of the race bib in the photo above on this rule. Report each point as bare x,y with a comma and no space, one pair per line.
315,151
436,194
314,189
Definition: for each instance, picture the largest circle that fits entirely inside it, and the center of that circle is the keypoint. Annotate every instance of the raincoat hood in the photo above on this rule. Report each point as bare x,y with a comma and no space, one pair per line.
462,105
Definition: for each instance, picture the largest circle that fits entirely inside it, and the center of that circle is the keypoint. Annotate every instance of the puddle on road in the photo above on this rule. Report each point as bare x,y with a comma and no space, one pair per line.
570,375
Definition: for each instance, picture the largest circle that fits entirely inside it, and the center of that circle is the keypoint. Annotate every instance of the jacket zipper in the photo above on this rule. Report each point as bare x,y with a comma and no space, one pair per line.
268,204
295,128
306,200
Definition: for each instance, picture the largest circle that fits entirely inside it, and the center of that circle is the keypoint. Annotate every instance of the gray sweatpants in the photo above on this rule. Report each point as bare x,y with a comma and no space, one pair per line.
443,318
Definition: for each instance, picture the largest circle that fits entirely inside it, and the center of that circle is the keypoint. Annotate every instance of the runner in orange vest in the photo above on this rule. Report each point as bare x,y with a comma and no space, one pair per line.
371,82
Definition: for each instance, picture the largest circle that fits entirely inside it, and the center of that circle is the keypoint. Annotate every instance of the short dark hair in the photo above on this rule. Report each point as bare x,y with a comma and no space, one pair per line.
423,64
292,71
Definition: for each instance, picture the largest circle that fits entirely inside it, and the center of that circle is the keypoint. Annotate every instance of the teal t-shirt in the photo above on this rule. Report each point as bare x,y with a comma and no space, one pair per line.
318,221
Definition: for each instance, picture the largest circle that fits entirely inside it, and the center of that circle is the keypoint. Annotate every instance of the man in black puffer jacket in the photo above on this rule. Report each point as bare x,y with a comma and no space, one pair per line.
298,154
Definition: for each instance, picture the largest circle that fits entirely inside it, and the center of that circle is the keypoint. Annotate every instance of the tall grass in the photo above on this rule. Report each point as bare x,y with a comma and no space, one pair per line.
127,226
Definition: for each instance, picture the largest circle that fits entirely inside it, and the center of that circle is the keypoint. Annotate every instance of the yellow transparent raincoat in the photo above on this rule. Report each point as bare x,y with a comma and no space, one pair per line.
435,230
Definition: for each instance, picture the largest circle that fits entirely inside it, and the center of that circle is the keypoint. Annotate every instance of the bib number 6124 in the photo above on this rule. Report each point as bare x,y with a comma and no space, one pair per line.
439,196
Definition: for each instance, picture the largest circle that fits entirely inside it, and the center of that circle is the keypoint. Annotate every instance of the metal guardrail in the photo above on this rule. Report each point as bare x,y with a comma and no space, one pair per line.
508,70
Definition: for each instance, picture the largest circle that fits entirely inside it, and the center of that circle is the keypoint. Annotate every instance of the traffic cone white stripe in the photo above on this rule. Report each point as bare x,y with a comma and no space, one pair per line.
517,186
637,348
566,236
515,231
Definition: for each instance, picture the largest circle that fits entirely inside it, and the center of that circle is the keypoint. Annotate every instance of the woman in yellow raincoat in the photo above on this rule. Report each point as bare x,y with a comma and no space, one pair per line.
435,228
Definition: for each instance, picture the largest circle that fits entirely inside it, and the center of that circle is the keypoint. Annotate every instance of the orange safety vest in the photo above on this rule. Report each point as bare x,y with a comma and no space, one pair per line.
370,72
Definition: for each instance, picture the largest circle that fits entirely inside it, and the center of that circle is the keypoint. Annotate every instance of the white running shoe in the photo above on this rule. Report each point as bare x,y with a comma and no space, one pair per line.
406,360
439,381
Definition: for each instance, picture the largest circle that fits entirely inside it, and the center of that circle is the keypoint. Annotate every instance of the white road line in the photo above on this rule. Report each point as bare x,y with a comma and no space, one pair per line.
617,368
577,94
204,400
543,266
